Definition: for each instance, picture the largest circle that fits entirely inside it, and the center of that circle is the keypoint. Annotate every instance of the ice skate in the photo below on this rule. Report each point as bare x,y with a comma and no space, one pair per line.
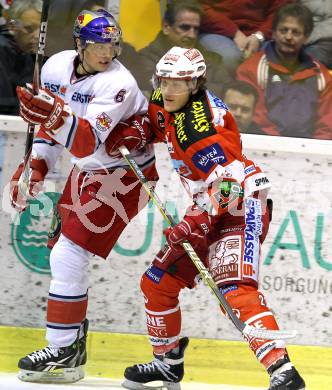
82,343
167,369
55,365
285,377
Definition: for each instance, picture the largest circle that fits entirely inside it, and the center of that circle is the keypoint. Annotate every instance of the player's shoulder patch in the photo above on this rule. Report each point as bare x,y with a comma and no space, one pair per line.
103,122
193,123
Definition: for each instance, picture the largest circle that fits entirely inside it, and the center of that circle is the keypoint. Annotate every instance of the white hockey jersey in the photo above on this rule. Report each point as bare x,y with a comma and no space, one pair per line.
103,99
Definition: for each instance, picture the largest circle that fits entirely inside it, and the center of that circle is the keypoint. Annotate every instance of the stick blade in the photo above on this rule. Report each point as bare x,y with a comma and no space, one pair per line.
267,334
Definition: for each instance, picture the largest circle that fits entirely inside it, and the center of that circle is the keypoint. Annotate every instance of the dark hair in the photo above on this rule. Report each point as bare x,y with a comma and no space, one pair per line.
298,11
174,7
242,87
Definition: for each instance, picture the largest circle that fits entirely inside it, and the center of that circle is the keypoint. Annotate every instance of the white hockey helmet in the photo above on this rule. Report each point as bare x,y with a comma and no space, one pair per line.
181,63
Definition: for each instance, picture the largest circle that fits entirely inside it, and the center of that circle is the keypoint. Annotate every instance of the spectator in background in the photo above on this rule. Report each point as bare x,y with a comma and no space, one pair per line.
241,99
237,28
319,44
180,27
295,91
4,4
18,44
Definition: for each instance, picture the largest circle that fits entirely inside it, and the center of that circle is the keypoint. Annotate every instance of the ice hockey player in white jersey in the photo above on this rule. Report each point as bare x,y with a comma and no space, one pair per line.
87,98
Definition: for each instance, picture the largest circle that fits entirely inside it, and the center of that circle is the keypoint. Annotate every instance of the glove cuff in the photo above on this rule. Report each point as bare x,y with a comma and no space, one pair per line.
39,165
198,218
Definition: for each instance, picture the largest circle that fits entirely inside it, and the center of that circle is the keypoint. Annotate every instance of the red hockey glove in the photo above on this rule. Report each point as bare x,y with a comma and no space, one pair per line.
45,108
194,226
135,133
38,171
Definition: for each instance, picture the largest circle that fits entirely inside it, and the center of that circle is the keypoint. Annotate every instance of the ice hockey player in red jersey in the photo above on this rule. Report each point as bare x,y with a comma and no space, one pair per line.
226,224
88,96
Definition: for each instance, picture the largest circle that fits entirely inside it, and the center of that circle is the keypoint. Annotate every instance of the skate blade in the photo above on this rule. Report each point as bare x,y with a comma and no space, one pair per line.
127,384
64,375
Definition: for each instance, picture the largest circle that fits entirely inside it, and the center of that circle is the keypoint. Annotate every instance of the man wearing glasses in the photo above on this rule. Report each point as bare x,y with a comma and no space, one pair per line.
180,27
18,44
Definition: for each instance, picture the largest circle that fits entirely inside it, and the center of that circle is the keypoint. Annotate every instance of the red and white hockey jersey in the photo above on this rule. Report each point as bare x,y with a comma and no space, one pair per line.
205,148
99,102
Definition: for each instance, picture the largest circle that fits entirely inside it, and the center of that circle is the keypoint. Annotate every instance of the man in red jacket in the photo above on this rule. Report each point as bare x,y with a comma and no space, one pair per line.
236,29
295,90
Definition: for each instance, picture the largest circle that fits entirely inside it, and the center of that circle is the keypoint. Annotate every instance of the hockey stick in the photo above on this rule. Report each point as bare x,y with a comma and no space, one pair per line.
246,330
23,183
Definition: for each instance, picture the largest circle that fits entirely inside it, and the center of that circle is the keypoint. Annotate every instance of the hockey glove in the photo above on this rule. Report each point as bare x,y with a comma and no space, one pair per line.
194,227
38,171
135,133
45,108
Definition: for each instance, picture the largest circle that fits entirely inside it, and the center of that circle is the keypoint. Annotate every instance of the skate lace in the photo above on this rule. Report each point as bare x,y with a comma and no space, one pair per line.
43,354
155,364
160,366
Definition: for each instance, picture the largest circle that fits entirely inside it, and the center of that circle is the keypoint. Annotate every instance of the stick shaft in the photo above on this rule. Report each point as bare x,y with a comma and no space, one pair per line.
24,179
186,245
245,329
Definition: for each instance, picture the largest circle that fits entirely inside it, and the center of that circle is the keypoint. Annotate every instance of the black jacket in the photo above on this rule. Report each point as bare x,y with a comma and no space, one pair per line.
16,68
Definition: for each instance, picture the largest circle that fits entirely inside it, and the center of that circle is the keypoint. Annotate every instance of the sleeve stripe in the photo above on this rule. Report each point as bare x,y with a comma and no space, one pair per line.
98,141
72,133
44,141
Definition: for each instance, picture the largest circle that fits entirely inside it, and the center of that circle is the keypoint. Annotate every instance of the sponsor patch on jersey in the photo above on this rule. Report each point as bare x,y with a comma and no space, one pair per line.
227,289
249,169
103,122
193,123
206,158
82,97
261,181
224,258
252,232
155,274
52,87
156,97
119,98
200,120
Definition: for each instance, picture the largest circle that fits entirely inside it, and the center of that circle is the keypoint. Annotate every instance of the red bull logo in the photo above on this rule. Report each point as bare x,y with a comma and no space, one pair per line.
84,19
109,32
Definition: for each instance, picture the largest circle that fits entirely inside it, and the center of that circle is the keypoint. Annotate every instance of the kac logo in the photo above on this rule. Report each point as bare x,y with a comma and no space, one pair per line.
30,235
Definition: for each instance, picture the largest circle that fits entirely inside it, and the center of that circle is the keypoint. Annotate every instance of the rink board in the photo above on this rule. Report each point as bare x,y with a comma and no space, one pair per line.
295,269
207,361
